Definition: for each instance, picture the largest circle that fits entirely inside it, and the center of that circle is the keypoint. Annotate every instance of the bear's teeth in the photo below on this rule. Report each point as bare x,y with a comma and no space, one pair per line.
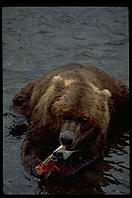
61,147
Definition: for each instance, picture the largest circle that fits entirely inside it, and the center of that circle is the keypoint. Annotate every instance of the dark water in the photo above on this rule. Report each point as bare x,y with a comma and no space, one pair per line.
36,39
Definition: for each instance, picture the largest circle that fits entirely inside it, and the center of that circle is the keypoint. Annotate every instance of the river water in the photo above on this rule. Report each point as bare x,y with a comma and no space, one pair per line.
35,40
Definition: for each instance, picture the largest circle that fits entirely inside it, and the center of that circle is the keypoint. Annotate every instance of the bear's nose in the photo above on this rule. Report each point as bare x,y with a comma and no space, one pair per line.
65,140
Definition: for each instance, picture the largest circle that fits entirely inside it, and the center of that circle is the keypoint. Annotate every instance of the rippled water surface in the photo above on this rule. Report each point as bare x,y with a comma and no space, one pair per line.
35,40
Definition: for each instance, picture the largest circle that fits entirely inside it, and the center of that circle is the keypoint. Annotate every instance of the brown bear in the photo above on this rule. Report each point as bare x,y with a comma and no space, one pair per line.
75,105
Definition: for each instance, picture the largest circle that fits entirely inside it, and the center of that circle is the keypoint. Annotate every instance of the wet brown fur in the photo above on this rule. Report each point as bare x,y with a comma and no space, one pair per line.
78,90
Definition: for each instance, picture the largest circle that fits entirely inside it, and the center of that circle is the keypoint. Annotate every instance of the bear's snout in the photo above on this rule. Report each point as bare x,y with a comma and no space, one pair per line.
66,140
69,135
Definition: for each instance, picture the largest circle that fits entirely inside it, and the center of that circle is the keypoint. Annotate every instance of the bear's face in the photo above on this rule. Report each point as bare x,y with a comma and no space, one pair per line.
80,112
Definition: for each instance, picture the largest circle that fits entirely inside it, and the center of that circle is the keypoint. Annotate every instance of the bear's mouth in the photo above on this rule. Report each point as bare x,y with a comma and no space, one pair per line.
74,146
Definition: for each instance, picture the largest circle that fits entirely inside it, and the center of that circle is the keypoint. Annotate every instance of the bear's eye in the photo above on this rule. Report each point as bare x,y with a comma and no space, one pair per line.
67,117
82,120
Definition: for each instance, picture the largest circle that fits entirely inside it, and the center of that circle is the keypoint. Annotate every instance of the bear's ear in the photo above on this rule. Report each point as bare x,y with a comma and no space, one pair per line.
106,94
58,82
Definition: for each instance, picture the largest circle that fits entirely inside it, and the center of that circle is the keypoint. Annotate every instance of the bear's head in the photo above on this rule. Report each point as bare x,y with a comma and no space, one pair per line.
77,111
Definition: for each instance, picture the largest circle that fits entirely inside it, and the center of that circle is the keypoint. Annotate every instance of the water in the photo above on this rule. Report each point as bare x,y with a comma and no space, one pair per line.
35,40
